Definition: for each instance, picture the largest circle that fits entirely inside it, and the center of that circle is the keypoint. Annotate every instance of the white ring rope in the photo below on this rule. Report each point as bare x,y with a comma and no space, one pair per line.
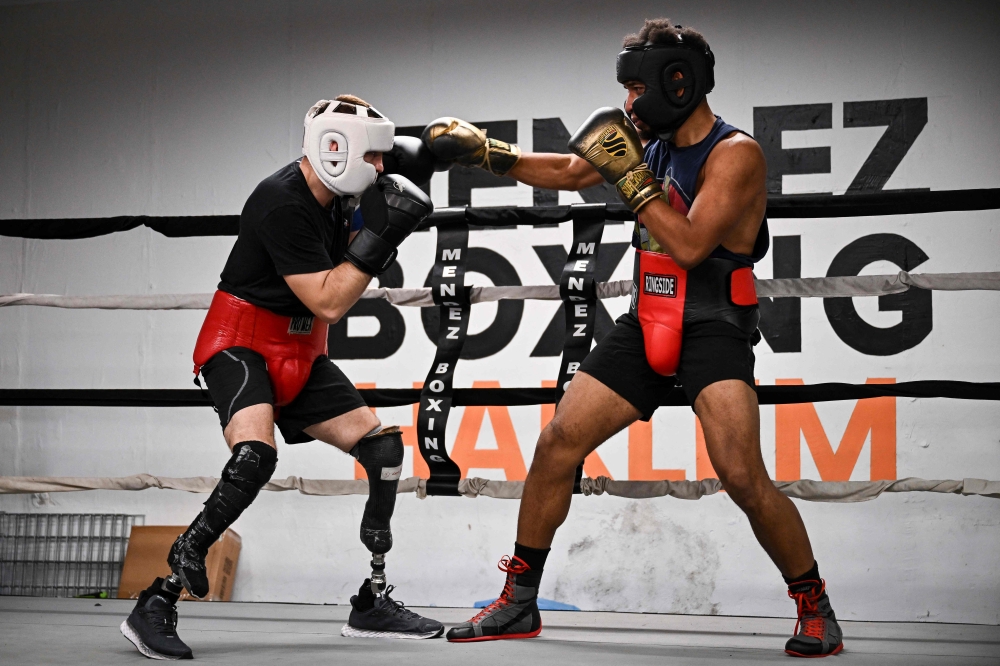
819,491
822,287
815,491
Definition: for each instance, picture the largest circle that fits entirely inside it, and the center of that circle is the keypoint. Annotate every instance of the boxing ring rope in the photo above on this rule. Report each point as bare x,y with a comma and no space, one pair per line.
793,206
814,491
506,397
577,289
821,287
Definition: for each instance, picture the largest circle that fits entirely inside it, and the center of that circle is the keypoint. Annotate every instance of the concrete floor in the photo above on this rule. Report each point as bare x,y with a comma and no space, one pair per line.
84,631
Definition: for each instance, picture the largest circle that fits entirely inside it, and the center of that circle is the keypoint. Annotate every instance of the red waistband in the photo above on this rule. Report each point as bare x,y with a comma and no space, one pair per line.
289,345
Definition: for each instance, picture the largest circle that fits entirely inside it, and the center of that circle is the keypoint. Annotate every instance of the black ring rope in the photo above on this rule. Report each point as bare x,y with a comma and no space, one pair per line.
451,297
798,206
505,397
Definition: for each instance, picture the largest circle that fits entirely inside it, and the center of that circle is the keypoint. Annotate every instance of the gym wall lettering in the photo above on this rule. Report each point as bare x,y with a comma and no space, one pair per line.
391,326
903,119
780,324
915,304
508,317
781,318
873,421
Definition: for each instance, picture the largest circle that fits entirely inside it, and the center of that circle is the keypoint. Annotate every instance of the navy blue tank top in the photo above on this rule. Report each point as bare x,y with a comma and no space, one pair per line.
678,168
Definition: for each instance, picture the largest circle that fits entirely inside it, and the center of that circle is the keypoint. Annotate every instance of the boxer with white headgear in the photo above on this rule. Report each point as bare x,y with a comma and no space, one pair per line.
337,136
312,236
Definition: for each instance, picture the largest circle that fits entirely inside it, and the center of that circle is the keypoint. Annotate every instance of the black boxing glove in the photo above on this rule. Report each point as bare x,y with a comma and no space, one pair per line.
391,208
413,160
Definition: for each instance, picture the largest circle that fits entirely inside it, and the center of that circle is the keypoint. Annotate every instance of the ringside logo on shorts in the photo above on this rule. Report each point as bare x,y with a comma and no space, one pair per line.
660,285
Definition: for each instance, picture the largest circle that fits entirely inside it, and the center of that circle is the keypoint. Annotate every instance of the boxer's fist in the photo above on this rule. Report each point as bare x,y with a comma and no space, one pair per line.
463,143
413,160
609,142
391,208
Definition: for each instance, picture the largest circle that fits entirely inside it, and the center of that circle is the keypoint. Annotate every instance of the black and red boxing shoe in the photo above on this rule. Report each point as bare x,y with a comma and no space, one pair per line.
513,615
817,633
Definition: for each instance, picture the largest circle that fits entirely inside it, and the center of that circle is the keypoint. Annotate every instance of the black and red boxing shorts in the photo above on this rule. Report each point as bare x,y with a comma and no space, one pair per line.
687,328
289,345
249,355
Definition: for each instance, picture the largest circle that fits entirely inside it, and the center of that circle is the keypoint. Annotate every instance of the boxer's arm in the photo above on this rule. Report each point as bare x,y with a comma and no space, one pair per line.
452,140
330,294
552,171
731,200
389,211
300,256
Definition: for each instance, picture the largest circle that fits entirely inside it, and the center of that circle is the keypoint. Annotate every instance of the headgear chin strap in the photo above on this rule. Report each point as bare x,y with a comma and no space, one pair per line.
655,65
357,130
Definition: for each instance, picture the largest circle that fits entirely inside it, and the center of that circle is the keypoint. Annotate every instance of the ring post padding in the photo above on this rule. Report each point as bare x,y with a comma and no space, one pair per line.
451,296
577,289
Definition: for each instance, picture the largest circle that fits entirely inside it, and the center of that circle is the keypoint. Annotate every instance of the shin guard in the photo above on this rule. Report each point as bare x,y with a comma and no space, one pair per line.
247,471
381,455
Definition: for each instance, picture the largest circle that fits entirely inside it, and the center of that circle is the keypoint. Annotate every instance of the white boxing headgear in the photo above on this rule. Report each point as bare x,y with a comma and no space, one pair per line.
357,130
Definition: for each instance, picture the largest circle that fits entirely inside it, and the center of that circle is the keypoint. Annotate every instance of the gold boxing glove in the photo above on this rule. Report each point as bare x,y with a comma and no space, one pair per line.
609,142
461,142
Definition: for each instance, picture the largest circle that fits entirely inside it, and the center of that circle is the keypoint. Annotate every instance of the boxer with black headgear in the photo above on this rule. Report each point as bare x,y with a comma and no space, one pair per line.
676,77
698,189
311,238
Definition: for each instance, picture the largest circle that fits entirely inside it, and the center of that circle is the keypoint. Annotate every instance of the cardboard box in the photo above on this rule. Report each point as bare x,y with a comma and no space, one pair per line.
146,559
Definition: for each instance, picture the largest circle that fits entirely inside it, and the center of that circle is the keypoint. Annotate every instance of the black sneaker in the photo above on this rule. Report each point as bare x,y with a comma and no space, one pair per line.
817,633
384,617
513,615
152,626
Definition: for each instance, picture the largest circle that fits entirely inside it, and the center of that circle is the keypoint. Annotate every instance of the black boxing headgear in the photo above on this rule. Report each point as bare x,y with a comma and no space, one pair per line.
655,65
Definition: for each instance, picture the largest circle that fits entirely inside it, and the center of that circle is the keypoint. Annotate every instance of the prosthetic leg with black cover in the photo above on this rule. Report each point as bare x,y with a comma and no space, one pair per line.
152,625
374,614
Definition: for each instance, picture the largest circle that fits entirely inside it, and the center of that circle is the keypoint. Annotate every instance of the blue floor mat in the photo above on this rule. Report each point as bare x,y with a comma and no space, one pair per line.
543,604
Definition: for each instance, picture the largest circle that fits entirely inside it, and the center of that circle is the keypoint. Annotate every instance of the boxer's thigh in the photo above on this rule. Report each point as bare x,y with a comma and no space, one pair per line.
588,414
716,373
619,363
240,389
707,359
328,398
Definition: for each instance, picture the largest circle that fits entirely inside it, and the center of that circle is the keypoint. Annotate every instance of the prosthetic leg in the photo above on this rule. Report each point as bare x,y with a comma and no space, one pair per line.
247,471
374,614
381,454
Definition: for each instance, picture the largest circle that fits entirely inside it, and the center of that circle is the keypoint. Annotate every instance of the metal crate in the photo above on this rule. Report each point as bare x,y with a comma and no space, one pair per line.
63,554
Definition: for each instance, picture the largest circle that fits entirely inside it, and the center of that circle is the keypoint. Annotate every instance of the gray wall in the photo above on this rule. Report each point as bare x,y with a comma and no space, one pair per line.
180,108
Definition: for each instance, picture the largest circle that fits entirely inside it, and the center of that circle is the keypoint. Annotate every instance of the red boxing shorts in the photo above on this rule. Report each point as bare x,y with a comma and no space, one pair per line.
289,345
667,297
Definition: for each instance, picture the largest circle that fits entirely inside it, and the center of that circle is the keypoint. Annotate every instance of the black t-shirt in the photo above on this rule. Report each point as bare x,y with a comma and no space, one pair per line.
283,231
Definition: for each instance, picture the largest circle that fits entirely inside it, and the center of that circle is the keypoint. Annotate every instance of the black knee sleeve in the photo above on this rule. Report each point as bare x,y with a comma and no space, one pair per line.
247,471
251,466
382,457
